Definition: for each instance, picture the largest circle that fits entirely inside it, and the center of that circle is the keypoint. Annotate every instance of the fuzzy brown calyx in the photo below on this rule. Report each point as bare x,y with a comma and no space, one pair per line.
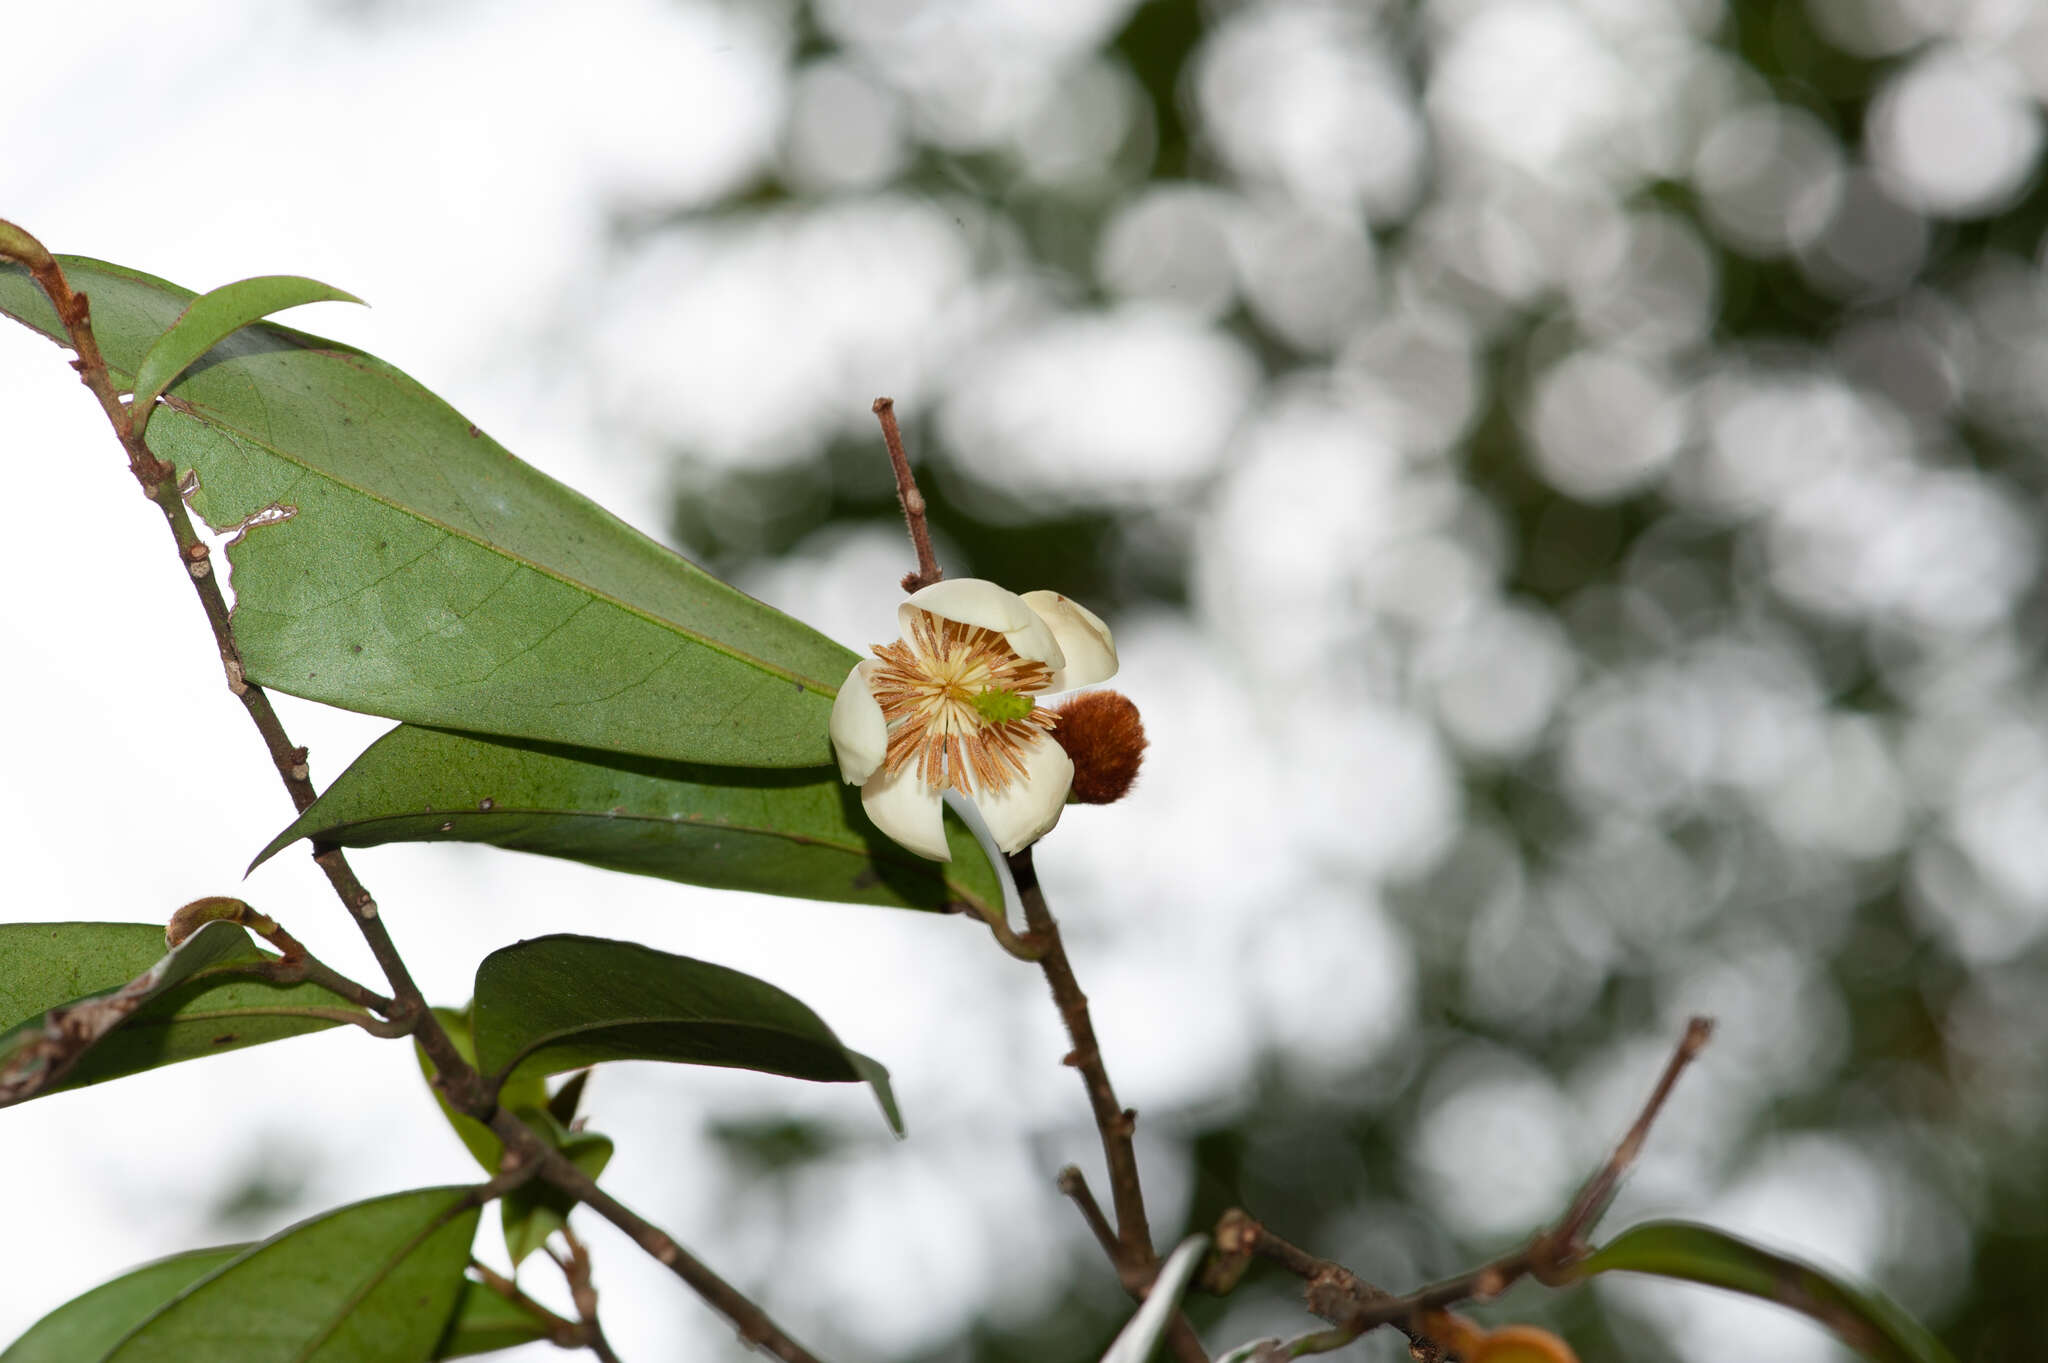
1104,736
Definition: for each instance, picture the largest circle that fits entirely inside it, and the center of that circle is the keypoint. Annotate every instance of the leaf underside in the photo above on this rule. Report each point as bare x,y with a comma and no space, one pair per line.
798,833
484,1322
560,1003
156,1007
84,1328
1865,1320
373,1282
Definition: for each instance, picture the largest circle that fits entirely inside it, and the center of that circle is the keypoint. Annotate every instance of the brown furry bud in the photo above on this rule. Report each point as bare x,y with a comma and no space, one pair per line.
1101,731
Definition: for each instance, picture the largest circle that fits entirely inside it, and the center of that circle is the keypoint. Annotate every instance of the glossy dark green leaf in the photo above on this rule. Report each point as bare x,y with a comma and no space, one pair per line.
568,1098
392,558
559,1003
374,1282
485,1322
1862,1319
533,1211
214,316
526,1091
798,833
84,1328
135,1005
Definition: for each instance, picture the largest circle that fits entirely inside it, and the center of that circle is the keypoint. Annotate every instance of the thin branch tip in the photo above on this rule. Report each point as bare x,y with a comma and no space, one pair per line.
912,500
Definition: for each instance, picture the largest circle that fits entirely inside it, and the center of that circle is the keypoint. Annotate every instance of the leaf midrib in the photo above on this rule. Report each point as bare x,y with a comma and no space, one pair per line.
828,691
552,1038
855,850
461,1206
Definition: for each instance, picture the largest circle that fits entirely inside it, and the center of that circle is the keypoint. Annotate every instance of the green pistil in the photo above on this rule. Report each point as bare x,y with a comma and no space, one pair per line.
1000,707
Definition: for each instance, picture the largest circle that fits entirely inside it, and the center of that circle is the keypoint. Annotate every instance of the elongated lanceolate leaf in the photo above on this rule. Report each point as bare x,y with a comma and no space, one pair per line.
94,1001
394,559
214,316
484,1323
374,1282
559,1003
84,1328
798,833
1862,1319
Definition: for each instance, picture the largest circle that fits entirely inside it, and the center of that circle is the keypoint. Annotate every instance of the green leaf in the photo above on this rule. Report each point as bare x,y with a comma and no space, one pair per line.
392,558
480,1140
1862,1319
559,1003
374,1282
798,833
130,1006
212,317
562,1107
1136,1341
87,1326
485,1322
533,1211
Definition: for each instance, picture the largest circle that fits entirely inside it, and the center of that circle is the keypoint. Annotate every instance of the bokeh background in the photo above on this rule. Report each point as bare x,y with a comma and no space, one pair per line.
1566,479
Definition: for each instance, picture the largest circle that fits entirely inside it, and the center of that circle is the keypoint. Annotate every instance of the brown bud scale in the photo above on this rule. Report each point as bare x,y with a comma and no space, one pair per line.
1103,734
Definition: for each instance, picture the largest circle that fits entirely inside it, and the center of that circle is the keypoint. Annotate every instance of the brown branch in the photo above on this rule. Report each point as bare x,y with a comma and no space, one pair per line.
1075,1185
562,1331
1129,1246
1337,1295
74,313
458,1081
294,964
1180,1336
583,1292
1333,1291
913,500
752,1322
1569,1236
1112,1120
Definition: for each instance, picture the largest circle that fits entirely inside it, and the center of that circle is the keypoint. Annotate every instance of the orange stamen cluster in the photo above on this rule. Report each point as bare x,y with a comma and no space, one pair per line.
926,687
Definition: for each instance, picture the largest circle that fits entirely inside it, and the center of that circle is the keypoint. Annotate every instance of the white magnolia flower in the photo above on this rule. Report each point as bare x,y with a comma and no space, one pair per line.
953,705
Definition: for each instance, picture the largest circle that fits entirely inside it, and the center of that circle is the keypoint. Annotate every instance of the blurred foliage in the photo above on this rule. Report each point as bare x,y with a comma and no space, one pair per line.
1920,1052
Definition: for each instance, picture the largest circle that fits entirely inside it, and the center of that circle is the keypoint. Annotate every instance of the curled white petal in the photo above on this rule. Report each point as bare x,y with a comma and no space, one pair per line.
1038,642
909,811
860,735
1025,810
971,601
1089,651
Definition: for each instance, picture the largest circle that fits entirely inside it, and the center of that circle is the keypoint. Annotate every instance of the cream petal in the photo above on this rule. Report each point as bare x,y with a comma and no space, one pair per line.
1085,642
860,735
1038,642
1025,810
909,811
971,601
